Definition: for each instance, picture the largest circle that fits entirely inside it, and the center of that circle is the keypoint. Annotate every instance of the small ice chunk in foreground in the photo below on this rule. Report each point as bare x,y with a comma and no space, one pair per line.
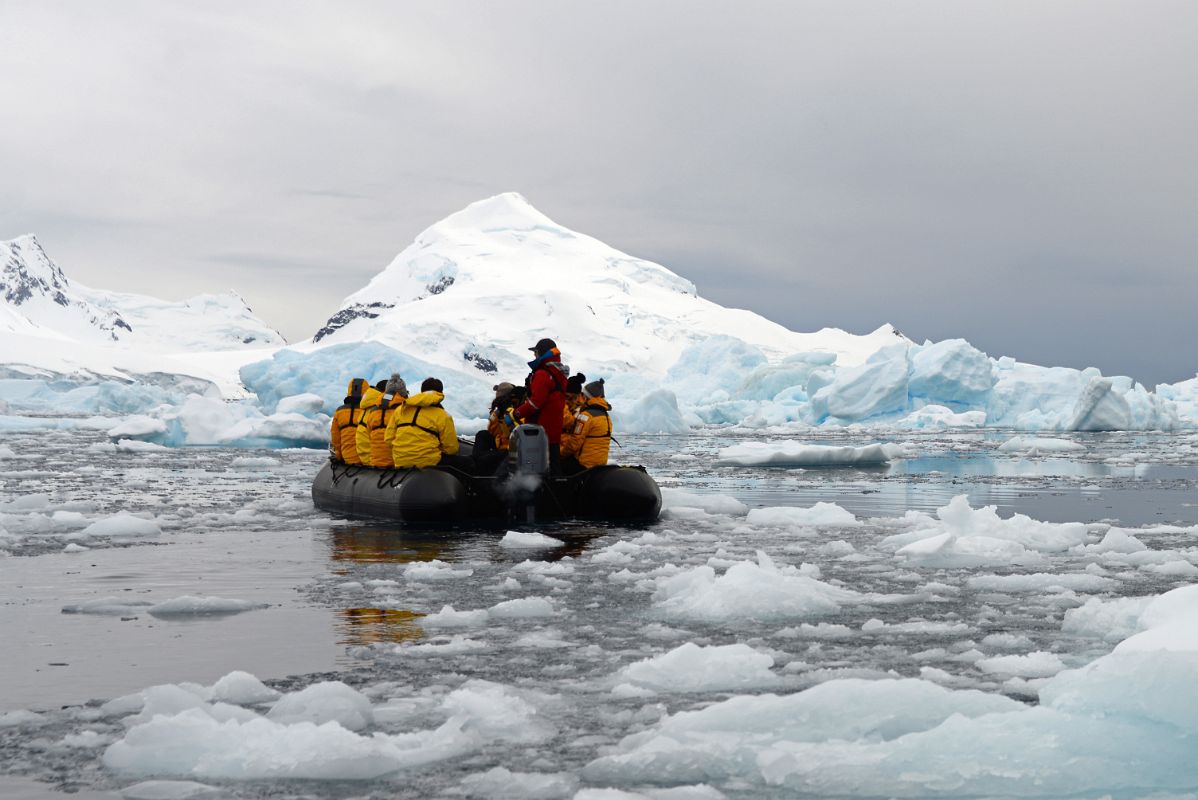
529,539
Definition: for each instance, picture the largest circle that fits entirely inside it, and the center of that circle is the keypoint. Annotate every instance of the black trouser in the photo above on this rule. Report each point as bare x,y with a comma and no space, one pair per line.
458,462
555,459
570,466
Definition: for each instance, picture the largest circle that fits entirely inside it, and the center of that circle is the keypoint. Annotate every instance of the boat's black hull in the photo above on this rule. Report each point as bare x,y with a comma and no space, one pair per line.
440,496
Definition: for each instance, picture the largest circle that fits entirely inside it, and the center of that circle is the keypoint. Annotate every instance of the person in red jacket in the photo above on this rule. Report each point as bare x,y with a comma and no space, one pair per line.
546,396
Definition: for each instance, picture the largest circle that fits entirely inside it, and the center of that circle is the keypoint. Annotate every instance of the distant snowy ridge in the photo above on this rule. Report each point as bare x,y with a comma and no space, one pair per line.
51,326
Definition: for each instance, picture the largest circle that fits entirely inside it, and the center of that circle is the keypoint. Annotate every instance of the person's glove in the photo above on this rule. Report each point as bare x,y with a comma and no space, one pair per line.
507,420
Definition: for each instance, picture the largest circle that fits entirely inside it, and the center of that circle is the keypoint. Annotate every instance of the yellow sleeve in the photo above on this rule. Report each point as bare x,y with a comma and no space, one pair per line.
449,437
362,440
335,437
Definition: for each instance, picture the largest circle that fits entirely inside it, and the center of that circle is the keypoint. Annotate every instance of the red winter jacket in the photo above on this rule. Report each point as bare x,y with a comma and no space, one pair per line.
546,396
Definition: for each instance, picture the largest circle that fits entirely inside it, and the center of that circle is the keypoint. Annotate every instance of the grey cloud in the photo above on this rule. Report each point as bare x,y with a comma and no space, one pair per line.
1017,173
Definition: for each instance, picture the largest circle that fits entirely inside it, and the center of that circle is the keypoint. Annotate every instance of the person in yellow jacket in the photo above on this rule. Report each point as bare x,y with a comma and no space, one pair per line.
422,432
344,426
587,444
373,444
370,399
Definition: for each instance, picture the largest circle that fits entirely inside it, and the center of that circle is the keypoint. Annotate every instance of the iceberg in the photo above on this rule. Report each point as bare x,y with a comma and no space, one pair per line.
797,454
456,304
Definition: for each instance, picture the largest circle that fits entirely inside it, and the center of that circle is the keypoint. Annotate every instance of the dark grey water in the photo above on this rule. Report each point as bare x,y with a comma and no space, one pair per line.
342,598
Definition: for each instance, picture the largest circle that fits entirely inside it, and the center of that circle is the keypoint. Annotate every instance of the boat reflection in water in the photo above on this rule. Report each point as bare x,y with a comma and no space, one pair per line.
366,626
363,552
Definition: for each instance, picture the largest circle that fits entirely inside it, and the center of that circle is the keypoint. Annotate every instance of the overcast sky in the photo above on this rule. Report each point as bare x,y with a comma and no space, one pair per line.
1019,174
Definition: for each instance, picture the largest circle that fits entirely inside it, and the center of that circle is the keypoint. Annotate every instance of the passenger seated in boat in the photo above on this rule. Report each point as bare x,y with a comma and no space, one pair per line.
422,433
586,445
372,430
345,424
369,401
573,402
491,446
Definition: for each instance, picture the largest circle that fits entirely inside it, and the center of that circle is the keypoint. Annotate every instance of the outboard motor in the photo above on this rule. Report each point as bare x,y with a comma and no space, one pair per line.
530,455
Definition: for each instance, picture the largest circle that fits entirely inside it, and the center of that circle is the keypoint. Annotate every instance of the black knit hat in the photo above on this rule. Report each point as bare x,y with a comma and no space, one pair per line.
574,383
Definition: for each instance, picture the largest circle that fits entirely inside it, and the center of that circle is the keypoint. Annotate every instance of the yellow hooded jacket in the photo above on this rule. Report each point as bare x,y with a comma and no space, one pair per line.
590,439
344,426
370,401
421,431
376,423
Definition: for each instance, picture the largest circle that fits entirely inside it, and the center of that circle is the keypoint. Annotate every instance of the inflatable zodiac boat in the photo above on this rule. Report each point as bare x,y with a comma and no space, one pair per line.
525,492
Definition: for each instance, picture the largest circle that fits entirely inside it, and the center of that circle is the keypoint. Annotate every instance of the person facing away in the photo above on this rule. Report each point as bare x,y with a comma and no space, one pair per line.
372,431
345,423
589,442
422,433
546,396
370,400
573,400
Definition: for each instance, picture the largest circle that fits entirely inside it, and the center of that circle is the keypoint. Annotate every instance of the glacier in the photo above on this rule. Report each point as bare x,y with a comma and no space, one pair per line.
458,304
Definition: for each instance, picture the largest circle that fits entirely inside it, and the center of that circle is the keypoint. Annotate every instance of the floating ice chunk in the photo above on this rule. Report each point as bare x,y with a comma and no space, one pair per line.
194,744
1117,540
447,617
329,701
797,454
168,790
493,711
138,426
254,463
192,606
137,446
242,688
528,539
820,515
500,783
691,668
960,536
7,452
938,417
434,570
13,719
523,608
1034,445
123,525
748,590
453,646
711,503
1041,582
1039,664
733,737
114,606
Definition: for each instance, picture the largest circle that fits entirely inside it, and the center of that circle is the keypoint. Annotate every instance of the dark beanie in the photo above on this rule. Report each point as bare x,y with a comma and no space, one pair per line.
432,385
575,382
594,388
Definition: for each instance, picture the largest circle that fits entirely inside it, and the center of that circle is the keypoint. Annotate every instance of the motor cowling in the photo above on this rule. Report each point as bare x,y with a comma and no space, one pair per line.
530,449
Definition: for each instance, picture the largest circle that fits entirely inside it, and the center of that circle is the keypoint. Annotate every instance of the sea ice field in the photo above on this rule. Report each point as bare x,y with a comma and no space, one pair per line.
833,613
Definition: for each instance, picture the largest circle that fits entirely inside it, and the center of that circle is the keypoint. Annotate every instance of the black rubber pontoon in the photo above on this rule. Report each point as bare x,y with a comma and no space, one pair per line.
443,495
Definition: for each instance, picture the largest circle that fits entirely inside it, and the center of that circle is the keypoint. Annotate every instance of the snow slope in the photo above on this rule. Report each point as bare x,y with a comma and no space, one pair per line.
482,285
51,326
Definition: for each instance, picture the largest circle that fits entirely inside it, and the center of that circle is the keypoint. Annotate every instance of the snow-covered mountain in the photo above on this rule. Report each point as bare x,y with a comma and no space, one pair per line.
475,290
39,300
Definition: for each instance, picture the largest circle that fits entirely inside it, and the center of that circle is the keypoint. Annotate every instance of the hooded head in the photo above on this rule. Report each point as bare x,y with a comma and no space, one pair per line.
357,387
593,389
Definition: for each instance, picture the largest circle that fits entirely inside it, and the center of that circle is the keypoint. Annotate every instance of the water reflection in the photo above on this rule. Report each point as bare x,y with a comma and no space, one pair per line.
366,626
